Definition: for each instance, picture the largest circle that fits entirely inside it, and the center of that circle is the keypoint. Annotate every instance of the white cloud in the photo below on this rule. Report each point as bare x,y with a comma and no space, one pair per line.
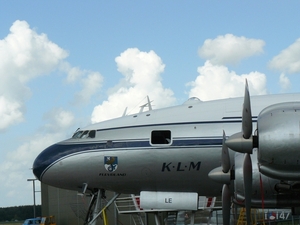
288,60
10,112
142,77
230,49
29,53
284,82
24,55
90,82
73,73
217,82
16,168
59,120
17,164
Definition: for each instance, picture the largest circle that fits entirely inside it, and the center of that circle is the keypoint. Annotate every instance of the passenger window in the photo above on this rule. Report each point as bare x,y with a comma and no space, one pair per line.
161,137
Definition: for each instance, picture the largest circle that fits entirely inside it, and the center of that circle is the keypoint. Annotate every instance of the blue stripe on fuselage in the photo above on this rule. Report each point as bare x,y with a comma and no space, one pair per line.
60,150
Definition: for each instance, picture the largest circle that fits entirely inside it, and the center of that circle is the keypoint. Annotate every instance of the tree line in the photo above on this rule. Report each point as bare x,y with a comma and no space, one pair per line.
19,213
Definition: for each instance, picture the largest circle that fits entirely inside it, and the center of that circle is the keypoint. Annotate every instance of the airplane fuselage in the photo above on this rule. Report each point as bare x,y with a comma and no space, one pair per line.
171,149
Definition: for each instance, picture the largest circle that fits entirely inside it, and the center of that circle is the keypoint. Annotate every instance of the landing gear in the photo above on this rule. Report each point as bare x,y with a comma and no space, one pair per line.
94,208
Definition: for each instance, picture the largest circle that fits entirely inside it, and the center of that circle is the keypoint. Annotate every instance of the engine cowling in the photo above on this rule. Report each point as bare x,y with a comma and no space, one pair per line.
273,152
266,192
279,141
258,183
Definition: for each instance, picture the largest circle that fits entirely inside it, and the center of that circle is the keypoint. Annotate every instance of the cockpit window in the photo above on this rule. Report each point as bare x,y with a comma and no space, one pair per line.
92,134
77,134
85,134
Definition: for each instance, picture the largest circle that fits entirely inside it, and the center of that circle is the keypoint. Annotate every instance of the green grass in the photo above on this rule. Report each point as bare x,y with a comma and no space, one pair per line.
11,223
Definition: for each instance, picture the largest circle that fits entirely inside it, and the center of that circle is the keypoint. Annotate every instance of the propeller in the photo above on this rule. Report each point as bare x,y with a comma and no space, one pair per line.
243,142
225,160
226,201
226,195
247,115
240,142
247,172
222,175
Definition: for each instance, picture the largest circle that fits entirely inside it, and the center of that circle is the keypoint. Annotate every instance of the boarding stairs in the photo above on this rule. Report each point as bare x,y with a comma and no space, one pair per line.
137,219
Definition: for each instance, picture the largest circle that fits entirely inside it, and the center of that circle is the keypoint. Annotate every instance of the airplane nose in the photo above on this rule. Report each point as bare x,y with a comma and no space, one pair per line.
44,160
38,167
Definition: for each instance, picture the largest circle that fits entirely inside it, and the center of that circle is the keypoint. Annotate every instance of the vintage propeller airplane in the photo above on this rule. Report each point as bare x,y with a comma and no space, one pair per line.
173,155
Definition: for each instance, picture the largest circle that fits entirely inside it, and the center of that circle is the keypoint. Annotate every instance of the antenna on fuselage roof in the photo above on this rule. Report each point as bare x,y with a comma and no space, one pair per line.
148,104
125,111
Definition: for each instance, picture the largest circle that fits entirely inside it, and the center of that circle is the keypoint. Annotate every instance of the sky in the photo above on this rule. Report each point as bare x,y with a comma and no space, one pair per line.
67,64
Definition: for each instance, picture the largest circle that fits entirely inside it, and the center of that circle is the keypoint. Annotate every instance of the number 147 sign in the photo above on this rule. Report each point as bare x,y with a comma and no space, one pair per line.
277,215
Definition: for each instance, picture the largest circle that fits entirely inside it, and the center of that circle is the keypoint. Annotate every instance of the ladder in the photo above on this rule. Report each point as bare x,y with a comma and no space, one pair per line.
243,219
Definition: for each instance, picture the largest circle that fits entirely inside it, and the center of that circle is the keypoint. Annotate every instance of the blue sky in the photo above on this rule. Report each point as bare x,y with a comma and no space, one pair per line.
66,64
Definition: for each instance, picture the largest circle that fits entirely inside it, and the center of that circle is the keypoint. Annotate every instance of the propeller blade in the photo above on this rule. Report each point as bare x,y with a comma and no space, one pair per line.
241,142
226,201
225,160
247,172
247,115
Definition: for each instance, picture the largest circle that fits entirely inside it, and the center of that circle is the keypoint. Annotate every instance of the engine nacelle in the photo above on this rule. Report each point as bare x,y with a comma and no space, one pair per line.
265,190
266,183
279,141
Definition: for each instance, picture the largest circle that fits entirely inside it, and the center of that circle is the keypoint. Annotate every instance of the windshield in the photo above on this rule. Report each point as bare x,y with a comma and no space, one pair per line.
84,134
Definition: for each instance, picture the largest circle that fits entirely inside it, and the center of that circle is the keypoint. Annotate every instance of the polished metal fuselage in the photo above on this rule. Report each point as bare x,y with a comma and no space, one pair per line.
180,165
